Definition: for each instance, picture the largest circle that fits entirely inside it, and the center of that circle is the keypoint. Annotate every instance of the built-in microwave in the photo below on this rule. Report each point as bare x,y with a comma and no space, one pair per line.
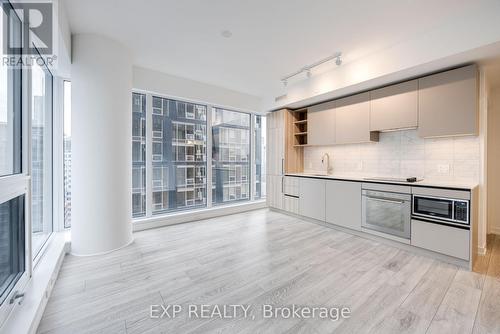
444,209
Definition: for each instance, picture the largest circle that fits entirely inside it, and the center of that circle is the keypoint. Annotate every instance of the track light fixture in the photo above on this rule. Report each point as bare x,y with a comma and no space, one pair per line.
308,68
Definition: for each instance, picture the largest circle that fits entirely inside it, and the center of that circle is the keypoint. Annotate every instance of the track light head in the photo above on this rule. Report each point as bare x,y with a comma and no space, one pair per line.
338,61
308,73
285,82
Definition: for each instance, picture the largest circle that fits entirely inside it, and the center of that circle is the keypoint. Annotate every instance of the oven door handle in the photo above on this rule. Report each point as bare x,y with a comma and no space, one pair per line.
386,200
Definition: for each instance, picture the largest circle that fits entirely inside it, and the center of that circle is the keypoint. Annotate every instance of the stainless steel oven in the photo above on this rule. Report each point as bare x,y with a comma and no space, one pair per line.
387,212
450,210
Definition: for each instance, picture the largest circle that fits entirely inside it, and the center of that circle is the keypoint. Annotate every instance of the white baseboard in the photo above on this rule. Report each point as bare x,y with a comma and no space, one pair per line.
194,215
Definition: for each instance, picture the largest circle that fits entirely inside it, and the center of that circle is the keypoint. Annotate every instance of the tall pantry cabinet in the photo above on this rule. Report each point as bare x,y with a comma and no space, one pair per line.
275,158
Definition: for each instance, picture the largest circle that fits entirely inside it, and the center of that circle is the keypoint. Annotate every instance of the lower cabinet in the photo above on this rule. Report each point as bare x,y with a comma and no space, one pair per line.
312,198
291,204
275,191
443,239
343,204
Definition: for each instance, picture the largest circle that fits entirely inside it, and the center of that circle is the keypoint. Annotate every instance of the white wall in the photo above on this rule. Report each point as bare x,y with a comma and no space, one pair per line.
169,85
101,145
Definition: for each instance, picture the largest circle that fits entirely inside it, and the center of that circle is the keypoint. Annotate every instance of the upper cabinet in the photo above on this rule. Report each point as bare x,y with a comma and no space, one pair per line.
394,107
448,103
352,120
321,124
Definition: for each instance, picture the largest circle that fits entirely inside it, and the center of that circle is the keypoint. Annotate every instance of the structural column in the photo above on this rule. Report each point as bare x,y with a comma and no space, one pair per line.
101,204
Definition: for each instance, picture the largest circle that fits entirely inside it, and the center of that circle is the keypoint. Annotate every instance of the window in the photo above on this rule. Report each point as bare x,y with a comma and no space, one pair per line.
67,153
230,156
10,120
41,156
178,155
12,241
171,172
138,155
13,182
260,156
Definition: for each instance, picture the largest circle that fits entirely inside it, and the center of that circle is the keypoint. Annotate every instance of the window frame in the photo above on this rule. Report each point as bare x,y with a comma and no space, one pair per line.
18,184
208,171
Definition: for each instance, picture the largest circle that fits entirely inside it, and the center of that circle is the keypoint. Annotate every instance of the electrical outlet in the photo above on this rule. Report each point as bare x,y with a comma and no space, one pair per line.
359,166
444,168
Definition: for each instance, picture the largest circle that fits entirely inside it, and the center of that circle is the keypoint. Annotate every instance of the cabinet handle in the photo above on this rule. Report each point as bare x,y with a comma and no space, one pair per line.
282,184
282,166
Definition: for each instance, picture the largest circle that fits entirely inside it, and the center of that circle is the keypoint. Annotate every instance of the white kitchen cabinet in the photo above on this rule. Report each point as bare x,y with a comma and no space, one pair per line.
312,198
291,186
448,103
276,142
343,204
443,239
394,107
291,204
274,194
275,158
321,124
352,120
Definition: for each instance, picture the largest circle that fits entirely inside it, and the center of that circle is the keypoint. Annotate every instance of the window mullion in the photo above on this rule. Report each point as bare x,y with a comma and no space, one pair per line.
252,178
209,156
149,155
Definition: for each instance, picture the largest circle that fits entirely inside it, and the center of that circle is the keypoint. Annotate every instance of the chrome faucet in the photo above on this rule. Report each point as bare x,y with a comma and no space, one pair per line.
325,162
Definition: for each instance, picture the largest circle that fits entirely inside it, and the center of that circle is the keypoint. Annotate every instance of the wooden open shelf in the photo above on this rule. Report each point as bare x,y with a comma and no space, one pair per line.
300,122
296,139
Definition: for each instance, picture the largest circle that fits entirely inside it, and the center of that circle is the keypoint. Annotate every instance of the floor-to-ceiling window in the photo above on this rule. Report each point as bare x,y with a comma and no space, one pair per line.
41,156
13,175
179,158
67,153
138,155
260,156
230,156
188,155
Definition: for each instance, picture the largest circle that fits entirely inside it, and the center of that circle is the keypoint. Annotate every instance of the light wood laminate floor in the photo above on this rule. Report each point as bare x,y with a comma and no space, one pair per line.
265,257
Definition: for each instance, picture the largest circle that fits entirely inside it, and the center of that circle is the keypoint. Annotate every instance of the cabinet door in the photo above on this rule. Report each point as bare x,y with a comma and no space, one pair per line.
394,107
352,120
276,143
291,186
312,198
447,240
291,204
448,103
343,204
321,124
274,191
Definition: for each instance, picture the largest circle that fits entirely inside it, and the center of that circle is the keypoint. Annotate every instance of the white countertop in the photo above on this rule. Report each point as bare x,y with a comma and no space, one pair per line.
422,183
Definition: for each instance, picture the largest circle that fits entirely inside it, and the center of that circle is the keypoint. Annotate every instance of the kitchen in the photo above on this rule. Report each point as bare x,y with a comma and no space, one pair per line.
399,163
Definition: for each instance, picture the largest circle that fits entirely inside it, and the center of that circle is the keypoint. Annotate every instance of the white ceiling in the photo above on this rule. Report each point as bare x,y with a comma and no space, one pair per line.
270,38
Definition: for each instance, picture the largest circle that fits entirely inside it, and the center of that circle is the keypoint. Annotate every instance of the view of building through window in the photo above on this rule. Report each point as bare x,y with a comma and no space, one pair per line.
67,152
260,156
138,155
230,156
41,156
177,159
179,155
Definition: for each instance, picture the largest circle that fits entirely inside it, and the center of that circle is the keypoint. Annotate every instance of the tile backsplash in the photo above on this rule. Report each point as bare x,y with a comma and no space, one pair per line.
402,154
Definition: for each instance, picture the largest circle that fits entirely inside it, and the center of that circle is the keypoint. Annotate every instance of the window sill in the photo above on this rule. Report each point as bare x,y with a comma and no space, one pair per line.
25,318
199,214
